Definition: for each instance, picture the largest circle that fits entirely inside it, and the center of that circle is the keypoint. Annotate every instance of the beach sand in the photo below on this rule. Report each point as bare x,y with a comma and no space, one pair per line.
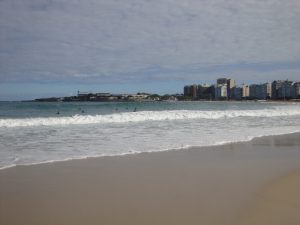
242,183
278,203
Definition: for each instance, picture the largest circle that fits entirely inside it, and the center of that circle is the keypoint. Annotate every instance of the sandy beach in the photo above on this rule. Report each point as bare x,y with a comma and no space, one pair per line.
254,182
278,203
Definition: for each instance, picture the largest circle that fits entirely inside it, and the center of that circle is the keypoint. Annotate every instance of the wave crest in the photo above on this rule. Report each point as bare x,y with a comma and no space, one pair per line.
143,116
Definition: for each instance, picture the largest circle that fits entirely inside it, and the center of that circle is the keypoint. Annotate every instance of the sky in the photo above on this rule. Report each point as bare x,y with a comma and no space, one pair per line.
56,47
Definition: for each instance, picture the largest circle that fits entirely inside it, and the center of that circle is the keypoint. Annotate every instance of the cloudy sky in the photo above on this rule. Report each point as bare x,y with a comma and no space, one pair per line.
56,47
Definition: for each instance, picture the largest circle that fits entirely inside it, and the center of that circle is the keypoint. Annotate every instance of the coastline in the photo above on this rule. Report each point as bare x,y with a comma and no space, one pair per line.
147,152
209,185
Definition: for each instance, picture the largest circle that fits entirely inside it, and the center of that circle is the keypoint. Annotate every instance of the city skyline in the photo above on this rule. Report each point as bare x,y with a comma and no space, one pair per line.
51,47
222,89
228,83
227,89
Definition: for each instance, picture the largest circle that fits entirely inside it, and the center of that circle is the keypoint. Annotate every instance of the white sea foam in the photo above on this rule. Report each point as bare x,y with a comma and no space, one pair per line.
27,141
38,162
143,116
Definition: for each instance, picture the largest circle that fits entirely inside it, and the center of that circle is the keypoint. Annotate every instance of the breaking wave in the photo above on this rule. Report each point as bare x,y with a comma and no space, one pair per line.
143,116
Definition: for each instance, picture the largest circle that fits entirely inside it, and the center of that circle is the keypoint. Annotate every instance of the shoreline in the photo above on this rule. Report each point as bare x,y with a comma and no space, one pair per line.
154,151
199,100
211,185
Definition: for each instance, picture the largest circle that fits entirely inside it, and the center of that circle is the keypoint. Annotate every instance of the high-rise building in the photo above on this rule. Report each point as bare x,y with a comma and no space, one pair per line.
297,90
237,93
205,91
260,91
201,91
221,91
286,90
269,90
230,84
191,91
276,85
226,89
264,91
246,91
253,91
194,90
187,91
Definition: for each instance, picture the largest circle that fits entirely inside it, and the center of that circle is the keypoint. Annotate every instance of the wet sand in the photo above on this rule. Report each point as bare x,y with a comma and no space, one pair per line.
241,183
278,203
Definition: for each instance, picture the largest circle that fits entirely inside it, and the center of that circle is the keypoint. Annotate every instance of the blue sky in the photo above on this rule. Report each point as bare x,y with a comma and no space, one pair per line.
56,47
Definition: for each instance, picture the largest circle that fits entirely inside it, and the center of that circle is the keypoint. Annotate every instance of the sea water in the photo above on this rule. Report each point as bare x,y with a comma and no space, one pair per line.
35,132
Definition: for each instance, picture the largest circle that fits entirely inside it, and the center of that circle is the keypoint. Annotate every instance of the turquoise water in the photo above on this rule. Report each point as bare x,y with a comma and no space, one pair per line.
33,132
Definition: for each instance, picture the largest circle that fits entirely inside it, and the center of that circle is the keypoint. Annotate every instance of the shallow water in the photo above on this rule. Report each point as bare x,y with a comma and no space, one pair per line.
34,133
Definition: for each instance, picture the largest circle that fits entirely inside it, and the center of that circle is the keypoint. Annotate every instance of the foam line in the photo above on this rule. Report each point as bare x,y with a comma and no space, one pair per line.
143,116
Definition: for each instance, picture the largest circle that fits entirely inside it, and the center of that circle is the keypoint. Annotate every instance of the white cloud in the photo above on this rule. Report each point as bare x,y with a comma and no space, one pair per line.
124,39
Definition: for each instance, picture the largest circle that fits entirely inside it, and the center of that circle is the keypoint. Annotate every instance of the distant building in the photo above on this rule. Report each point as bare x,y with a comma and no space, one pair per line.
264,91
286,90
230,85
194,90
201,91
252,91
237,93
187,91
276,85
137,97
246,91
227,89
297,90
191,91
260,91
205,91
221,91
269,90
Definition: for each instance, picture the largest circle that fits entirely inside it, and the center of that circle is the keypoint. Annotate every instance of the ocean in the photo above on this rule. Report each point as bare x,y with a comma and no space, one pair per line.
39,132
